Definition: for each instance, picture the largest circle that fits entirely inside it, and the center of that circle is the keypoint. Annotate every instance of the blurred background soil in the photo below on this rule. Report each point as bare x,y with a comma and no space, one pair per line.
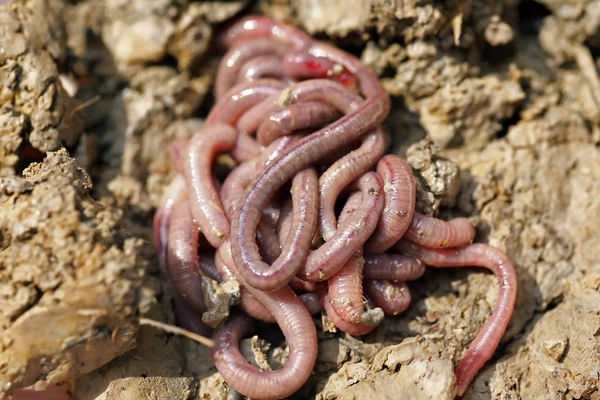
496,106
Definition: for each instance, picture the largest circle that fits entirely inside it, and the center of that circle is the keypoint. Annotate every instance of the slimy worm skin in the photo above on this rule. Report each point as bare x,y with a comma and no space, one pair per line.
302,120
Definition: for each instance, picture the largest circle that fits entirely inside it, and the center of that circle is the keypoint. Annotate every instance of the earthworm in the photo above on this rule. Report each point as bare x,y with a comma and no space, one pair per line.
206,205
246,148
233,189
251,120
298,64
284,223
351,328
299,331
208,266
328,259
294,117
392,267
183,263
261,67
174,193
251,27
238,180
392,297
282,229
269,247
346,286
241,98
302,286
235,184
178,150
295,249
237,56
479,255
302,65
400,198
436,233
341,173
272,212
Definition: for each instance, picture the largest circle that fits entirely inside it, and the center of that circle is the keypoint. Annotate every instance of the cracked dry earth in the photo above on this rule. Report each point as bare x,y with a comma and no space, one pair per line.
496,106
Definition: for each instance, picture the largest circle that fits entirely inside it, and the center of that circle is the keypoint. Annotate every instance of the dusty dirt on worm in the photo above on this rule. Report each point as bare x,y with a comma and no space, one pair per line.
496,107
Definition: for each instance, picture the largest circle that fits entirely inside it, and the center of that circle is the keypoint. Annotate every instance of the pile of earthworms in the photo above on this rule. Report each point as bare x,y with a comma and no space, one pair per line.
312,215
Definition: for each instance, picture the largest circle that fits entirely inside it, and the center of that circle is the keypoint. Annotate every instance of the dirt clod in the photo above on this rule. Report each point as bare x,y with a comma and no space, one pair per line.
72,281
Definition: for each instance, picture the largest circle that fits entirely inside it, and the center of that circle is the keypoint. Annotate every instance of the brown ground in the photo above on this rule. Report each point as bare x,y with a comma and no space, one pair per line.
496,107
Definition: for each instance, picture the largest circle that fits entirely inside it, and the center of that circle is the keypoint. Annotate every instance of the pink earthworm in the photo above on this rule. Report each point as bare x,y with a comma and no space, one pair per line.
238,56
178,150
240,98
284,121
248,123
393,267
328,160
328,259
269,247
300,333
343,172
340,98
436,233
267,66
183,263
246,148
284,223
356,329
302,65
294,251
208,266
238,180
392,297
272,212
400,198
252,27
302,286
479,255
235,184
346,286
282,229
233,189
173,195
205,203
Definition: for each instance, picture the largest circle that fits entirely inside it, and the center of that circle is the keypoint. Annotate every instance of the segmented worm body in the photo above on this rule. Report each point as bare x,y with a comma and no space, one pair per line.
302,120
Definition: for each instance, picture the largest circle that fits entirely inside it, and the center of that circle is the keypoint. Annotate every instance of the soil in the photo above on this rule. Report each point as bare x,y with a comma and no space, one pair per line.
496,106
